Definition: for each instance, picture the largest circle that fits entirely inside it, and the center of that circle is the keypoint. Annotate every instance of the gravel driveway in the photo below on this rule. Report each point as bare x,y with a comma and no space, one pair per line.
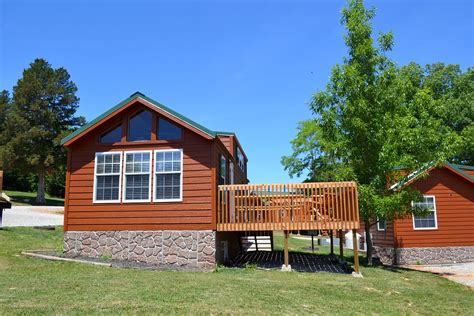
33,216
459,272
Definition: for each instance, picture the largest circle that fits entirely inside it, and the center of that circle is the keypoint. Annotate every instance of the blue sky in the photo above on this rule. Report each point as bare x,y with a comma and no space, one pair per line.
245,66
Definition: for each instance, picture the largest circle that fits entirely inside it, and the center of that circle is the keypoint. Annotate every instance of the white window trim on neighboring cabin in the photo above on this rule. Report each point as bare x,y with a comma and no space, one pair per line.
125,173
167,172
94,200
435,216
378,225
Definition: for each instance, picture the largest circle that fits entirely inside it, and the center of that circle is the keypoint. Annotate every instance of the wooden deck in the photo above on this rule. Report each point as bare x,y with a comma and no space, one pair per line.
302,206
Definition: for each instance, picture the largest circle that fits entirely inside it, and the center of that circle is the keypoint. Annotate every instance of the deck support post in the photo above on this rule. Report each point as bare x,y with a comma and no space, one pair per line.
286,265
331,238
356,251
341,245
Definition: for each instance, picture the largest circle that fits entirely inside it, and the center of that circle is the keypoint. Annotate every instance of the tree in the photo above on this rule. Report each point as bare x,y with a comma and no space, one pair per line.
4,106
370,119
314,154
42,111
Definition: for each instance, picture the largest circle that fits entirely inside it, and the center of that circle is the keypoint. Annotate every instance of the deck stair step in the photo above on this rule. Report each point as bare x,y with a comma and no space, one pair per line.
256,243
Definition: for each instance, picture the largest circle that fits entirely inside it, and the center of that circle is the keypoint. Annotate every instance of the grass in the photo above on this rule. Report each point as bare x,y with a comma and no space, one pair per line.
36,286
29,198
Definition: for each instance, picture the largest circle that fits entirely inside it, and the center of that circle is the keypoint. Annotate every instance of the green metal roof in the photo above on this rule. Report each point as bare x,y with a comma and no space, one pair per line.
137,95
415,174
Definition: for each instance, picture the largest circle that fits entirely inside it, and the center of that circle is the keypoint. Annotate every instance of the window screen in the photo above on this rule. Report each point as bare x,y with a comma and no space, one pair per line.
168,175
137,176
107,177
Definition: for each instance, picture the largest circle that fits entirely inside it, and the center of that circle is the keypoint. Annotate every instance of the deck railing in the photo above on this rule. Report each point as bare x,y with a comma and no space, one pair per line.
302,206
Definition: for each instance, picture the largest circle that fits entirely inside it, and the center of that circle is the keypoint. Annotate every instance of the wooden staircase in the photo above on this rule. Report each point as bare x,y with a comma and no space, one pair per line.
256,241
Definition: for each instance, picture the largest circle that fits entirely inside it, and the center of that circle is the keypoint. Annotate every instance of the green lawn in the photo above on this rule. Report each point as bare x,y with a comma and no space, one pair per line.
30,285
29,198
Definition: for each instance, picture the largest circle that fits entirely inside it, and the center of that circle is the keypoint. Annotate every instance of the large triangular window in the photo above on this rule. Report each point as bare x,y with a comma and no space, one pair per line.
168,131
112,136
139,127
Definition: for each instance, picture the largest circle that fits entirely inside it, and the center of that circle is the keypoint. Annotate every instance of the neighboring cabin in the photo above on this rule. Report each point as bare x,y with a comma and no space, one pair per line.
445,235
142,185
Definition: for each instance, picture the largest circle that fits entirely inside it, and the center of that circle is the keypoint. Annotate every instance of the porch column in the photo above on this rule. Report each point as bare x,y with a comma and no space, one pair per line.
286,266
341,245
331,239
356,250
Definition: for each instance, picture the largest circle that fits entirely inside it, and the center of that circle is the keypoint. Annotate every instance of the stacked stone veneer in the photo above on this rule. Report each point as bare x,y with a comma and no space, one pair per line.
189,250
429,255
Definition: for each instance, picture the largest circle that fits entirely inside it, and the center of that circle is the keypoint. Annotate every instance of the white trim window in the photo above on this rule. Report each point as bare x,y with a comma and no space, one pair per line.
107,177
381,224
429,221
168,175
137,182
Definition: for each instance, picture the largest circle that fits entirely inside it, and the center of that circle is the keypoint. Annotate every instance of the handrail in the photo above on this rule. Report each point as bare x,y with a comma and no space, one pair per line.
294,206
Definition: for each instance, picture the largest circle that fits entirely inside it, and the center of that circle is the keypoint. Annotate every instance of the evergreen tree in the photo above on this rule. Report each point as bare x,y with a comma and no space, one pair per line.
43,110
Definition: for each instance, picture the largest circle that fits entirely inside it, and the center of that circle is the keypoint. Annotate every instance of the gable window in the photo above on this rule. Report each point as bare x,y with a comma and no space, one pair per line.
222,170
429,221
381,224
107,176
112,136
240,159
168,131
168,175
137,176
139,127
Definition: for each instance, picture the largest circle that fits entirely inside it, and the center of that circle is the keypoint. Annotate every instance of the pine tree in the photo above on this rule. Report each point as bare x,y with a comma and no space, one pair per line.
43,109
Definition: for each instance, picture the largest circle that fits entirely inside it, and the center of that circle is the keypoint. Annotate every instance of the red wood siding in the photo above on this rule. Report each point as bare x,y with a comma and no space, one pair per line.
455,213
383,238
379,238
194,212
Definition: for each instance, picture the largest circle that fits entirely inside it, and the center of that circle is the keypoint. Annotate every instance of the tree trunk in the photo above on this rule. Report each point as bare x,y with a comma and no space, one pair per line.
40,192
368,241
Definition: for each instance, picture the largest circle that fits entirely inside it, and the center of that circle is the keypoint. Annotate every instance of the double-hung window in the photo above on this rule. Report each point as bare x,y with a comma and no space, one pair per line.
107,177
137,176
168,175
429,221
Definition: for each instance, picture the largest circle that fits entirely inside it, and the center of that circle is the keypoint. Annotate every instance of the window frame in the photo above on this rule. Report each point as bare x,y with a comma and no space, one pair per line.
378,224
435,215
125,174
167,172
94,192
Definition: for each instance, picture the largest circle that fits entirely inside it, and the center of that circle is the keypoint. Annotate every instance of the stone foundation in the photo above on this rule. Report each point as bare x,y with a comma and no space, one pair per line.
429,255
188,250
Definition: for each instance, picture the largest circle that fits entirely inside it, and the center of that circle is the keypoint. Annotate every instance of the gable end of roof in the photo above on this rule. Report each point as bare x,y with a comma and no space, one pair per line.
137,96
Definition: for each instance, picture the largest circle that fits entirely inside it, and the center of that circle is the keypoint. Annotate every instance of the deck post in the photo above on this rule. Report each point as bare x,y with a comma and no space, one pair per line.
286,266
341,245
331,238
356,251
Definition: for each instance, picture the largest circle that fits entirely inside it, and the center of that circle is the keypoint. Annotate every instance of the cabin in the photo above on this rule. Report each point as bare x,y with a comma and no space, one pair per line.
446,234
149,185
